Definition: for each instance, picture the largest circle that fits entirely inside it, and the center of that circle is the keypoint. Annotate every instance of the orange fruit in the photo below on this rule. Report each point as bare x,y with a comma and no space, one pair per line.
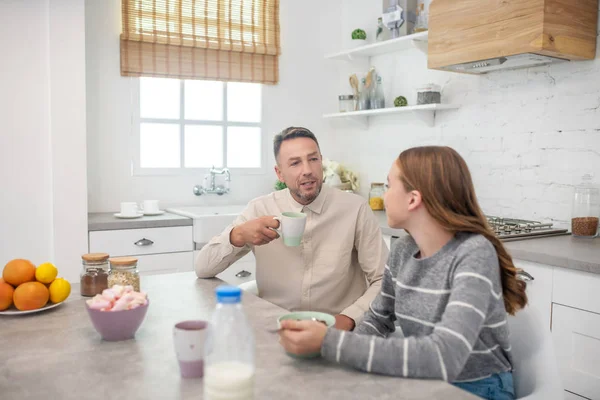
18,271
31,296
6,295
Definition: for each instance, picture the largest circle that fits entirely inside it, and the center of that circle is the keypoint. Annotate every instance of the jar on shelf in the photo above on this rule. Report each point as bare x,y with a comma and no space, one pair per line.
376,196
93,278
124,271
429,94
586,209
347,102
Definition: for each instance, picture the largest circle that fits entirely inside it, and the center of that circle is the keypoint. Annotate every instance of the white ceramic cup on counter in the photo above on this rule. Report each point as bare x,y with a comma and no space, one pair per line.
150,207
189,337
291,227
129,209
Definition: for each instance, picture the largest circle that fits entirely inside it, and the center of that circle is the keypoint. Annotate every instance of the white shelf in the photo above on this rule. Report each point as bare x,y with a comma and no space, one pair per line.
417,40
424,112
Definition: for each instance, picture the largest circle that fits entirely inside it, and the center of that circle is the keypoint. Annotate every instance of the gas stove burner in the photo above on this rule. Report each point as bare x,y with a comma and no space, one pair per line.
509,229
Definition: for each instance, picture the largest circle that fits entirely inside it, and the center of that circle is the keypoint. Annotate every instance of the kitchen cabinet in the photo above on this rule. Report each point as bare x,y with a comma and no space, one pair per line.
493,34
577,289
569,301
159,250
539,290
241,271
166,263
576,335
576,330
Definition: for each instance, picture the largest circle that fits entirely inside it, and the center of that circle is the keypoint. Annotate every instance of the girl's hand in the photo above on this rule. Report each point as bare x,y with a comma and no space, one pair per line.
302,337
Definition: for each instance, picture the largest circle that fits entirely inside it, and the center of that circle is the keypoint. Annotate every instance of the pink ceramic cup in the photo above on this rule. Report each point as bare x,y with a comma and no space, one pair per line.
189,337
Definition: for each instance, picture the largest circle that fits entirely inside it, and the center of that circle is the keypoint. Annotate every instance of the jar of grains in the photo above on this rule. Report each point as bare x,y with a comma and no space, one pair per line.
94,274
586,209
124,271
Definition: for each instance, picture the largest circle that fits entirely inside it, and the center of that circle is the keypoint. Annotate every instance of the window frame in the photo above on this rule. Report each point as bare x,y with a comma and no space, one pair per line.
137,120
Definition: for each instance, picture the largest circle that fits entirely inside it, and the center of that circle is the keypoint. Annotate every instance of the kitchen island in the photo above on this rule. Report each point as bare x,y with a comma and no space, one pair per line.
57,354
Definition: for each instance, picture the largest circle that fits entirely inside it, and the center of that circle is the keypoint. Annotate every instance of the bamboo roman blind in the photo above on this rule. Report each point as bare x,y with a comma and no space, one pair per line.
225,40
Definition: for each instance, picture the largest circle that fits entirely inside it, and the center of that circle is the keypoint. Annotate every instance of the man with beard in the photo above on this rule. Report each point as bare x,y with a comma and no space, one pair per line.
338,267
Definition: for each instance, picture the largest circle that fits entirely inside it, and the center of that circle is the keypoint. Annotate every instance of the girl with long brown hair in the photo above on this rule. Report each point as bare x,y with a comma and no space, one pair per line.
446,292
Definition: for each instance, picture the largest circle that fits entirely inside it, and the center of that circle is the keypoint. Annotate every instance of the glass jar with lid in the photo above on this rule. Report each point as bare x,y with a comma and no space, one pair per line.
376,196
93,278
429,94
124,271
586,208
347,102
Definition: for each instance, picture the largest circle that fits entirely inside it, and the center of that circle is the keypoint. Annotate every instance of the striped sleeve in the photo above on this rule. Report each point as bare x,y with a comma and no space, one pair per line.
379,318
441,354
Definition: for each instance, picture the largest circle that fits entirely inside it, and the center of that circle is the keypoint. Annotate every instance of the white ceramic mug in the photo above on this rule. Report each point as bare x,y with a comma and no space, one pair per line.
291,227
189,337
129,209
150,206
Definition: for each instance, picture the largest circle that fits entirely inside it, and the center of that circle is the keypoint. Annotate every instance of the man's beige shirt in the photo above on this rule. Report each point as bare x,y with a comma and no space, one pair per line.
337,268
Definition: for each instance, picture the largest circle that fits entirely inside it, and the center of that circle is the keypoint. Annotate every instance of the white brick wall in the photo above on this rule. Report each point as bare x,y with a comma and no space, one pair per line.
527,135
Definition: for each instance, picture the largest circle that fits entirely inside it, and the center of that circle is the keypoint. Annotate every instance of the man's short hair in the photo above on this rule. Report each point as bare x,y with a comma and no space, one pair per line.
292,132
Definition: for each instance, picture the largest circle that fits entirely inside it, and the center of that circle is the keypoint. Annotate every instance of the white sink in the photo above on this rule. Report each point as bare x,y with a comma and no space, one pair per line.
209,221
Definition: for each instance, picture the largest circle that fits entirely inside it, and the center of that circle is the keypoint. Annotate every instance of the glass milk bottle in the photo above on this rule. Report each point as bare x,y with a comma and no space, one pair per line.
229,350
586,209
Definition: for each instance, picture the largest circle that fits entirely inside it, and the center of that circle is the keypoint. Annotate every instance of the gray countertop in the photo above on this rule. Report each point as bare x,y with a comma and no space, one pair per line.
57,354
559,251
108,221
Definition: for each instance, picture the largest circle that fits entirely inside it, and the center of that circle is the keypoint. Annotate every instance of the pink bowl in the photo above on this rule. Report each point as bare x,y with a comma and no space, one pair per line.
117,325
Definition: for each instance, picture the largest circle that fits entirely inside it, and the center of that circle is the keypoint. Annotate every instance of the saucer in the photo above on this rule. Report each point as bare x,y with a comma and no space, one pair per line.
160,212
119,215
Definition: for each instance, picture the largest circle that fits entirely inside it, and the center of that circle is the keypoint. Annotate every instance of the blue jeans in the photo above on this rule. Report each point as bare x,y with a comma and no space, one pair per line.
495,387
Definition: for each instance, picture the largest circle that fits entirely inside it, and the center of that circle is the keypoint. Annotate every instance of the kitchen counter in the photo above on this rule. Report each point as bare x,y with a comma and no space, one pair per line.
57,354
559,251
107,221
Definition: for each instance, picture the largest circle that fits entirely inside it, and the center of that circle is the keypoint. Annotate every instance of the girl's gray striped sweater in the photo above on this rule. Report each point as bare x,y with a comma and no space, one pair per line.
446,311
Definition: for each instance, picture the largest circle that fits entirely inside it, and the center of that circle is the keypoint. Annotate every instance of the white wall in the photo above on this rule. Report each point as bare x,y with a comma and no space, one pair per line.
68,134
527,135
306,89
25,158
42,145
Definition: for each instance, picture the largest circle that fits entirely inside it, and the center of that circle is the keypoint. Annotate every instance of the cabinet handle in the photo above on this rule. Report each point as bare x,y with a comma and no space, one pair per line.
243,274
144,242
524,275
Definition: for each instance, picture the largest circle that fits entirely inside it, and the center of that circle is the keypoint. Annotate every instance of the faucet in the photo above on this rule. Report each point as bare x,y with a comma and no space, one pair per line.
213,188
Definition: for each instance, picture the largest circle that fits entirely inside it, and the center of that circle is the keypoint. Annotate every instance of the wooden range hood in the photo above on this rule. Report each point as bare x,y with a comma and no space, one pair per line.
479,36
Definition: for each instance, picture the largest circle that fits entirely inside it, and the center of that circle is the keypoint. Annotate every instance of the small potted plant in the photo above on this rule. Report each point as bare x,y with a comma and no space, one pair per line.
279,185
400,101
359,37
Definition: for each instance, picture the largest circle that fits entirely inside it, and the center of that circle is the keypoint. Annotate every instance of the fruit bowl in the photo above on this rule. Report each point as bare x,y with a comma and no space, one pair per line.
117,325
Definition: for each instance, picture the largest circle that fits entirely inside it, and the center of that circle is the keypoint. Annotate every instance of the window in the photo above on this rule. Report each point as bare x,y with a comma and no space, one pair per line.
186,125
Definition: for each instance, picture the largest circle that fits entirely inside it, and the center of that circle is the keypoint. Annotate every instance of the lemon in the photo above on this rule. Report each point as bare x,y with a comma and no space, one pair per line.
60,289
46,272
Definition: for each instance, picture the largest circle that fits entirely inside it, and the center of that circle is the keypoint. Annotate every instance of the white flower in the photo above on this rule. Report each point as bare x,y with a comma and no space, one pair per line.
335,174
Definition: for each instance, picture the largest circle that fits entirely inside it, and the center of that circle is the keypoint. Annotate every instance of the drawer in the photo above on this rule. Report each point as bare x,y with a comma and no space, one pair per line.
246,263
577,289
576,336
158,240
166,263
